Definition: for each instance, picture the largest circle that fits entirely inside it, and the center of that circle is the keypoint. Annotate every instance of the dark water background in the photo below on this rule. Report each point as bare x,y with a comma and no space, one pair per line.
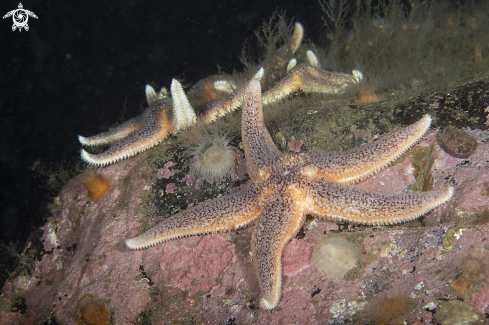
82,61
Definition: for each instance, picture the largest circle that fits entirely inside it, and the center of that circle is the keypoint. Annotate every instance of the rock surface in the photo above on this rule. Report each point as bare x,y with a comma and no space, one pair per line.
211,279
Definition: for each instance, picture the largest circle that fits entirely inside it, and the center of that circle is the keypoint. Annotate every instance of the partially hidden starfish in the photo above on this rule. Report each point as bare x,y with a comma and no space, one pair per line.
212,98
285,188
145,131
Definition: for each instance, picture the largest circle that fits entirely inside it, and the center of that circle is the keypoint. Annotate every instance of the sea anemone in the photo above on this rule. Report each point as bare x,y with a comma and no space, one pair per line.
388,307
367,95
334,256
212,158
365,90
96,185
469,271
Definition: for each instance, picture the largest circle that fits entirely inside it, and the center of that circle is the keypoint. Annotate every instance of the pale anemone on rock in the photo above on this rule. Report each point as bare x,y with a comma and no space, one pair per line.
212,158
334,256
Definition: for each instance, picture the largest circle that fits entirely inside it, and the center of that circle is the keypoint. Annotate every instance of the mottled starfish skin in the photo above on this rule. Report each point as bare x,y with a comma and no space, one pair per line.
203,91
116,133
276,64
303,77
141,134
160,118
308,79
285,188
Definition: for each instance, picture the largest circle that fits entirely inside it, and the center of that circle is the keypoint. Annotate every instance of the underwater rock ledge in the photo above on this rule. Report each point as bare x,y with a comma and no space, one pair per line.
210,279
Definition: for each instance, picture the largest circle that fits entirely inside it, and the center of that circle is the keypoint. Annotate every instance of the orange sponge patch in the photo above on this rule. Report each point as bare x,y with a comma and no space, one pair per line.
96,185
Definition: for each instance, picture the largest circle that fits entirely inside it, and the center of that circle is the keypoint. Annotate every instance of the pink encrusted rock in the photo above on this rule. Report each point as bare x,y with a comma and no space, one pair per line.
469,176
211,279
195,264
170,188
165,172
49,237
296,257
295,145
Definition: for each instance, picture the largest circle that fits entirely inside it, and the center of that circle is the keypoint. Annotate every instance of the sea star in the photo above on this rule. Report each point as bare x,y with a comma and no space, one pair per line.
285,188
145,131
212,97
304,77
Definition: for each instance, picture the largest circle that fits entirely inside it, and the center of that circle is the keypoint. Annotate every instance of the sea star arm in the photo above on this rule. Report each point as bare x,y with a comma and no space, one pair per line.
158,124
217,107
221,214
274,65
313,59
158,120
346,203
210,111
203,91
280,221
261,152
309,79
296,38
359,163
115,133
151,95
303,77
183,113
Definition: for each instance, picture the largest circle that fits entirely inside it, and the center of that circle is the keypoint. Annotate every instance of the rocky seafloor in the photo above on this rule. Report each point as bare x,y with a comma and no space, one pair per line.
432,270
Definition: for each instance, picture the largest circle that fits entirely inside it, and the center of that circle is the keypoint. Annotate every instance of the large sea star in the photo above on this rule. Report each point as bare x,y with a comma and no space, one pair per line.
285,188
206,101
